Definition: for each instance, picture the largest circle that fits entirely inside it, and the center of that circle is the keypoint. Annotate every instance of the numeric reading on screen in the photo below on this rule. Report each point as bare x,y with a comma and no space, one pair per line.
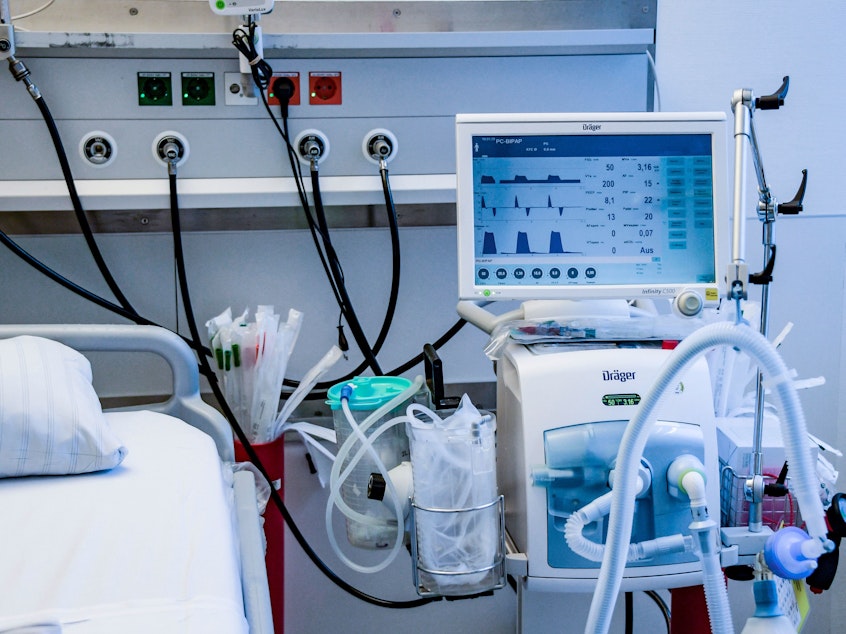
593,209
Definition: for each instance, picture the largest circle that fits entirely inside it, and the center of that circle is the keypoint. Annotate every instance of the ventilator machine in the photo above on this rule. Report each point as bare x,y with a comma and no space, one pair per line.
607,440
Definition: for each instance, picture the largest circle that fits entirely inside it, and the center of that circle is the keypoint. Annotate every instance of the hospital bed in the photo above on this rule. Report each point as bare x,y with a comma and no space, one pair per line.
169,540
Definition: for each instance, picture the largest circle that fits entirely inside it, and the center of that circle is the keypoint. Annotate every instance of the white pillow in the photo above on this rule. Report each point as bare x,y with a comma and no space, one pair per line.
51,422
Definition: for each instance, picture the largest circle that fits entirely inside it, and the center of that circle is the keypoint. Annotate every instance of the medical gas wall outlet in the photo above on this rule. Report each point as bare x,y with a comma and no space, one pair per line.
241,7
169,146
98,149
379,144
311,145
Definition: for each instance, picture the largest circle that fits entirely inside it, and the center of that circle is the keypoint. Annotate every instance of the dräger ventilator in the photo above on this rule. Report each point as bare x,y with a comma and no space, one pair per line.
606,436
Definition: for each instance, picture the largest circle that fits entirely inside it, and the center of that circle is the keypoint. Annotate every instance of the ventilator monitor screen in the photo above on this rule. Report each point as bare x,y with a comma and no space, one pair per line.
590,205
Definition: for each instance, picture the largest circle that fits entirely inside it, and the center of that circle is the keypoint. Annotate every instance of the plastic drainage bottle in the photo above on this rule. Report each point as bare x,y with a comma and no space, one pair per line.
368,394
768,618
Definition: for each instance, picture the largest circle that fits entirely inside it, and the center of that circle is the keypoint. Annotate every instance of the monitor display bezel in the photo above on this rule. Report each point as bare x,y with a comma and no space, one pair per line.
469,126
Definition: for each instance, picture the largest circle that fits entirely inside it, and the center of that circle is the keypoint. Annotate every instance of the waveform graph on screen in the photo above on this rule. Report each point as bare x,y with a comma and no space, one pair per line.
529,212
525,194
531,238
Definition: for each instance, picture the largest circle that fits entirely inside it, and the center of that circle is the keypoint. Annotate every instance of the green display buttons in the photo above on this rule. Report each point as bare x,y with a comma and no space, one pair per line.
154,89
197,89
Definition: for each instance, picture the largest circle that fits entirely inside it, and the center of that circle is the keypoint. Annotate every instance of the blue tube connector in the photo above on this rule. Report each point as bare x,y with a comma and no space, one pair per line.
785,553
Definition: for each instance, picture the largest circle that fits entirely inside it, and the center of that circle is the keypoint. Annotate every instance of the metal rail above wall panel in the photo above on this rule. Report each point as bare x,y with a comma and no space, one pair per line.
359,45
303,16
149,221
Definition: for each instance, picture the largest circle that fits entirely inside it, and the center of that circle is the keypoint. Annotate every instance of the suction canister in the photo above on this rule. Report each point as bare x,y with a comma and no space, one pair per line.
377,528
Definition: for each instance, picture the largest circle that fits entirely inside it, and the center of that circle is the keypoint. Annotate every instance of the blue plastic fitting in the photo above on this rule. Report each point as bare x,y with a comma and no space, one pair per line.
783,554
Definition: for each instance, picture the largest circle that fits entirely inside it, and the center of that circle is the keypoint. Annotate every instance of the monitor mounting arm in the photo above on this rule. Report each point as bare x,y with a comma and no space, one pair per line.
743,105
738,277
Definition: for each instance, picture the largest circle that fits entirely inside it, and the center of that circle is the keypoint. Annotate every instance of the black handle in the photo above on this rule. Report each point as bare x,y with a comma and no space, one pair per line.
793,207
775,100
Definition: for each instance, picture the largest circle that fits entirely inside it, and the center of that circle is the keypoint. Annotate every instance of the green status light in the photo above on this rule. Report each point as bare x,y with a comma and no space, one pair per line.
486,292
220,4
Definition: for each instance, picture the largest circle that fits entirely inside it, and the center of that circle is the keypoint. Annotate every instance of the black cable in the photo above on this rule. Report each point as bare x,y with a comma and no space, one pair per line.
319,392
438,344
298,181
337,274
319,233
393,225
84,293
77,207
297,174
38,265
393,296
244,41
325,251
245,44
206,370
662,605
629,613
21,73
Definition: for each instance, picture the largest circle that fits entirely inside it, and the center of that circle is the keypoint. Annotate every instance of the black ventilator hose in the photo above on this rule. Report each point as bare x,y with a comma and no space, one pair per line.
77,207
338,276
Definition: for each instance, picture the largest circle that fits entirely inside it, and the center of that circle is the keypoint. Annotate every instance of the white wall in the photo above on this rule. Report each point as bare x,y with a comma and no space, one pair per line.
706,50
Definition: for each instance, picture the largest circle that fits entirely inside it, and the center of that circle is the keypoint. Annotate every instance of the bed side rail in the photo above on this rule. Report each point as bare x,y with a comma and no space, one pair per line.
184,403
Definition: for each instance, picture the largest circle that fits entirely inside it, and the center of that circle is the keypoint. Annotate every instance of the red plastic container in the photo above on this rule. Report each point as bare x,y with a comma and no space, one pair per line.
272,457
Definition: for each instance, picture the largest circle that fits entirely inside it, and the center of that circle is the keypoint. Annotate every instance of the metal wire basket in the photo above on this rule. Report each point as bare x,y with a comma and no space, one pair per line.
461,578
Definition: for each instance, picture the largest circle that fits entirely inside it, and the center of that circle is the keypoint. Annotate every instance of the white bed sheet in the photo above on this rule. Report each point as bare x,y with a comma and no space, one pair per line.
149,546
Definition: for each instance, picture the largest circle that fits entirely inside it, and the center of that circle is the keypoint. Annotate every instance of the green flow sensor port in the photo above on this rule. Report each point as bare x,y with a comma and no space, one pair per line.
154,89
197,89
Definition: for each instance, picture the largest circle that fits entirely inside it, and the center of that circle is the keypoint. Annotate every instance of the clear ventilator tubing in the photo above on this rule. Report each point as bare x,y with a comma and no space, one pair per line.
706,533
794,433
592,551
335,498
336,478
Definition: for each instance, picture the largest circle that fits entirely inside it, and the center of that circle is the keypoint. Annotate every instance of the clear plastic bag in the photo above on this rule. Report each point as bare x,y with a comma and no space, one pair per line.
457,518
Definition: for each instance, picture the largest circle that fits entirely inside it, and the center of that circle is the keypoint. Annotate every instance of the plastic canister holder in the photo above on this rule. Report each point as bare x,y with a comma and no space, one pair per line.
369,394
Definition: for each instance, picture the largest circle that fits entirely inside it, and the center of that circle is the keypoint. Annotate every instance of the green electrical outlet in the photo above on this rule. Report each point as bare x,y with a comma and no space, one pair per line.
197,89
154,89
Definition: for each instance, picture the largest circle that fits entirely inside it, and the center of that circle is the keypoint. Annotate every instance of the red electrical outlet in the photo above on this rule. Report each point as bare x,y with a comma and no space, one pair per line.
273,99
324,89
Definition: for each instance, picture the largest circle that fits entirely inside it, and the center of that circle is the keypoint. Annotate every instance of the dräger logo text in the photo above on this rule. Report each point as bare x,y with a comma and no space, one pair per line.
617,375
593,127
